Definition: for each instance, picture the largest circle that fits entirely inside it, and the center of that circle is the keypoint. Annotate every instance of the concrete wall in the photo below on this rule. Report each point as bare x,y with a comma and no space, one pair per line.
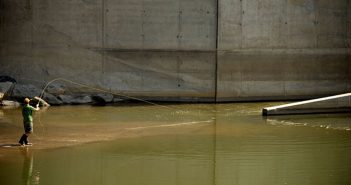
288,24
281,74
288,49
199,50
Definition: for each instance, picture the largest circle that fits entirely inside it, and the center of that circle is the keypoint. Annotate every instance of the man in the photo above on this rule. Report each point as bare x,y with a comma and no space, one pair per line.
27,112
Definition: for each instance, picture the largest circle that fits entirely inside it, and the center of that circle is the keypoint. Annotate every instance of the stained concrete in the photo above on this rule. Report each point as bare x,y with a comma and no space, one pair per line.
161,75
282,74
178,50
160,24
245,24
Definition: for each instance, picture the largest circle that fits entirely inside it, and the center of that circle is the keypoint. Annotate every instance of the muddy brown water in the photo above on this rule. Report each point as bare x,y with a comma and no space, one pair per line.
189,144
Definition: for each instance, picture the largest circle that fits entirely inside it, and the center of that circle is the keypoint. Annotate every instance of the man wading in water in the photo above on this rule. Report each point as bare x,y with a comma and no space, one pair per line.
27,112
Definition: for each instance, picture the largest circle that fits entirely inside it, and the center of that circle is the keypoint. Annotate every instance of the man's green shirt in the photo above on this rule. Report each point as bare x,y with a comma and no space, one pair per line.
27,112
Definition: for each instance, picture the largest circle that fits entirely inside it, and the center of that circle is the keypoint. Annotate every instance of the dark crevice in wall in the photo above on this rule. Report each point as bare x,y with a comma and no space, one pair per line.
103,13
216,47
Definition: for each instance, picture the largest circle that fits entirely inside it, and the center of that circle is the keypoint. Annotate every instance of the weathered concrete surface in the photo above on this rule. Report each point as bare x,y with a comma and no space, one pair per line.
245,24
160,24
129,47
174,50
337,103
177,76
291,49
282,74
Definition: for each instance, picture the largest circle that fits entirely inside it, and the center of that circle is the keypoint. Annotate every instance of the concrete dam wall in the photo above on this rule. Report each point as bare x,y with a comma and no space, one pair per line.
181,50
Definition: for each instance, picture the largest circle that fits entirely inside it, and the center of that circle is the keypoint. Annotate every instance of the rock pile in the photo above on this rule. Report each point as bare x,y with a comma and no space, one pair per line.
56,95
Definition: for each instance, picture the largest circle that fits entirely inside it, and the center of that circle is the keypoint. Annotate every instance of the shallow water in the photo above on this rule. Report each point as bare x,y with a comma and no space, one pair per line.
185,144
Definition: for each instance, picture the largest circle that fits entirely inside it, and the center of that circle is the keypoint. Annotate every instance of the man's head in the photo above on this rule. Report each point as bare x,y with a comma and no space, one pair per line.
26,100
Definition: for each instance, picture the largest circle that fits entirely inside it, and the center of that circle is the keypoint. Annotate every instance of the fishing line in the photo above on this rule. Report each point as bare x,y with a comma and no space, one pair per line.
171,125
90,87
101,90
42,93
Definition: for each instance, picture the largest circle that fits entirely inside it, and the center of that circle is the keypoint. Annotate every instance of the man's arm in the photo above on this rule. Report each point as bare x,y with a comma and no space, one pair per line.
44,103
36,108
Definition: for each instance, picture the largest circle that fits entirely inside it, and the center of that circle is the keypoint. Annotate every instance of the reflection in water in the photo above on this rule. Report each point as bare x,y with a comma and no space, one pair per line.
27,169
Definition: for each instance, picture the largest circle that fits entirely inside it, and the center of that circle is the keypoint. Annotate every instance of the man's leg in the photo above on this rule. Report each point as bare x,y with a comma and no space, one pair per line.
26,142
28,130
23,139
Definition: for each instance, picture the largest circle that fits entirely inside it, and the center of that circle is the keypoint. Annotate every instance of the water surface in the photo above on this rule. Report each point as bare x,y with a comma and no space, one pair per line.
182,145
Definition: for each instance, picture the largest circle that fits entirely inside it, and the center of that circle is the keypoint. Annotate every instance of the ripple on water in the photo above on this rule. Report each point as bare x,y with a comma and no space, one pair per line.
331,126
